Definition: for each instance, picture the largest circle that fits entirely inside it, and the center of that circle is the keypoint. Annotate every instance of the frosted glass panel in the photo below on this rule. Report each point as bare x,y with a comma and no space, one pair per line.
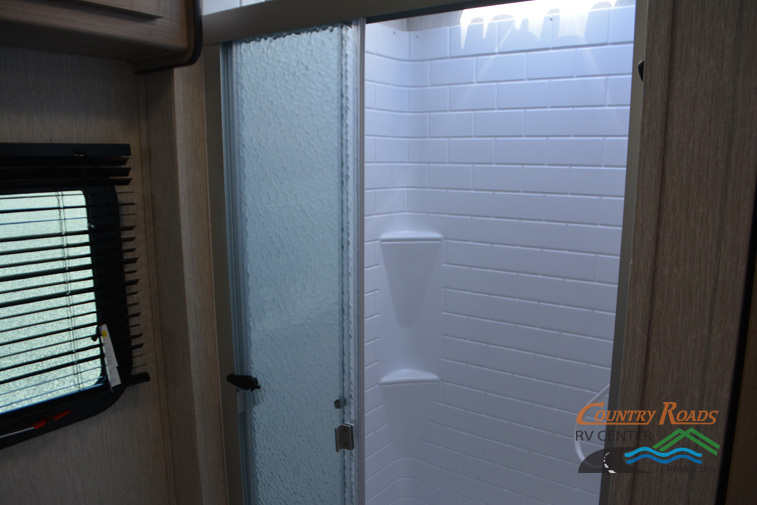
291,110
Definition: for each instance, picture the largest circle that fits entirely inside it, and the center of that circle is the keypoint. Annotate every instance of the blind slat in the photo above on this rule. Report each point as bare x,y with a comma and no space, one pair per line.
63,294
50,369
67,387
66,234
29,338
54,344
62,181
58,331
43,382
51,357
75,268
67,207
104,299
48,321
65,258
71,281
48,346
54,247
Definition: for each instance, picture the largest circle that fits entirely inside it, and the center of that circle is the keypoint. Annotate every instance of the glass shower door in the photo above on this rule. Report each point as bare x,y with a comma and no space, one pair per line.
291,133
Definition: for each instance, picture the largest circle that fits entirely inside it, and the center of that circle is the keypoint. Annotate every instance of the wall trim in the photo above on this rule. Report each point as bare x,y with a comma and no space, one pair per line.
290,15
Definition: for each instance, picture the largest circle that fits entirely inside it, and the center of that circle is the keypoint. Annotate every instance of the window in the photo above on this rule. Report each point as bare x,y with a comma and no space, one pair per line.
67,280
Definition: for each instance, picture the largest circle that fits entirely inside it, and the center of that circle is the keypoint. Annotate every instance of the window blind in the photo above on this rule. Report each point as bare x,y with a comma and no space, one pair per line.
69,325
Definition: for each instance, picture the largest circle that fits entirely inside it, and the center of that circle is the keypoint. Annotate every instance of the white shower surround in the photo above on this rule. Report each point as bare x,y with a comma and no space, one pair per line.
511,146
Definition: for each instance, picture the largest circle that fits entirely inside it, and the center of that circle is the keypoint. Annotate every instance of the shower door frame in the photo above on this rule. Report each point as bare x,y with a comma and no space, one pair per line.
230,407
278,16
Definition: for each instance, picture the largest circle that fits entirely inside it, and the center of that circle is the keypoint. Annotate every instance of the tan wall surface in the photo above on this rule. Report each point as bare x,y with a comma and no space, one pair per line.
161,442
119,456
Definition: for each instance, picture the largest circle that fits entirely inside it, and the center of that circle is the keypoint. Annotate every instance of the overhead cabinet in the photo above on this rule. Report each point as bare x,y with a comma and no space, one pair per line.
146,32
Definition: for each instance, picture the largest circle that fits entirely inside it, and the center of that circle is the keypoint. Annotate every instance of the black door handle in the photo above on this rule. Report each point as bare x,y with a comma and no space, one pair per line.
247,382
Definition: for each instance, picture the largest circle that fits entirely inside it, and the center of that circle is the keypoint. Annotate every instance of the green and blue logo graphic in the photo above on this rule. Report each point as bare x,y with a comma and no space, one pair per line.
622,459
658,451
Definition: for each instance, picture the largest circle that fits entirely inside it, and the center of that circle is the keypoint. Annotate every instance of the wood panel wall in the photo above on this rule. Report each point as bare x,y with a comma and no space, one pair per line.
160,443
184,281
741,488
695,190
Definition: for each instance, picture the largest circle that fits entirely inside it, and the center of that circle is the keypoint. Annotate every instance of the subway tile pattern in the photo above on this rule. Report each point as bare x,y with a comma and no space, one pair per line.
509,138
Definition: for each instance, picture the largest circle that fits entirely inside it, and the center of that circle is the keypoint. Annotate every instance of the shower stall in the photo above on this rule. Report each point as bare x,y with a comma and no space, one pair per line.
424,221
495,151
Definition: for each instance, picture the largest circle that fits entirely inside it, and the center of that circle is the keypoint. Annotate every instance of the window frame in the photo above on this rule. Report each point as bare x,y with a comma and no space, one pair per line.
108,262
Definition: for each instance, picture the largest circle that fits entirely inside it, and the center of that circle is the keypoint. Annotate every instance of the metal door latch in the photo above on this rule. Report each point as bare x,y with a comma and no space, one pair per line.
344,437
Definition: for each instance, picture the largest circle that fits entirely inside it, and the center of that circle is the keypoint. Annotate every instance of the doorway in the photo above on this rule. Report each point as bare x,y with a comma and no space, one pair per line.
430,198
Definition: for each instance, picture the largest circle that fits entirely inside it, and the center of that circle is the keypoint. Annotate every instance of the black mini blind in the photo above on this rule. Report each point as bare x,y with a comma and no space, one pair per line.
69,331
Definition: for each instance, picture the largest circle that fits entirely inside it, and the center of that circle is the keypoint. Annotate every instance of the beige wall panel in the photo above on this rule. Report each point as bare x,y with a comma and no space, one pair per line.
119,456
179,206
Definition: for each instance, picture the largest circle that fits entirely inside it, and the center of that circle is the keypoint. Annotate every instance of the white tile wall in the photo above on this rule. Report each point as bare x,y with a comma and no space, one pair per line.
509,138
501,68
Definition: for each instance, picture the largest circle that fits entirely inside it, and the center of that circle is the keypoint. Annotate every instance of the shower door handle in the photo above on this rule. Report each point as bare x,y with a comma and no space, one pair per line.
247,382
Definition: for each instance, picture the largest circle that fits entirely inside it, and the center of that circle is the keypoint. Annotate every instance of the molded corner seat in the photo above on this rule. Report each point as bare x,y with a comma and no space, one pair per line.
407,396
